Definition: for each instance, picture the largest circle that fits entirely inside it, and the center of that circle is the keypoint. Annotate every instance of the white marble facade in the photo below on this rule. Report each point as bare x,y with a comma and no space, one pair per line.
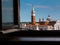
50,28
57,25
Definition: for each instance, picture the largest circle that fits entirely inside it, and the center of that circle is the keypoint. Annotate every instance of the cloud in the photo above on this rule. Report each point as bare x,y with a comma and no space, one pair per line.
7,9
55,7
5,0
41,6
38,6
44,6
28,4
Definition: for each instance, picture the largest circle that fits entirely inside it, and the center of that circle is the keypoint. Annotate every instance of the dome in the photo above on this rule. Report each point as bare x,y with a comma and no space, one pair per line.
42,19
49,18
58,21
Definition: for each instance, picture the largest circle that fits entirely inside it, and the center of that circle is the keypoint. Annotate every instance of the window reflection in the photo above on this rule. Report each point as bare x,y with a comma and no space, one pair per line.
7,12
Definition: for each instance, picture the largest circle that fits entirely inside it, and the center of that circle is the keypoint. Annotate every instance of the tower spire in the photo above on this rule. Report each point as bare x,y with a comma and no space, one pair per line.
33,11
33,7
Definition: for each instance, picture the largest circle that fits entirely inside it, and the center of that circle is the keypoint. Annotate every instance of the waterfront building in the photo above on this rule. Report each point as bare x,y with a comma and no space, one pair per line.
43,24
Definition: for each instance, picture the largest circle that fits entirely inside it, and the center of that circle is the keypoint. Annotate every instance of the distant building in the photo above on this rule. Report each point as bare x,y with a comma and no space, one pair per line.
49,18
50,28
57,25
41,25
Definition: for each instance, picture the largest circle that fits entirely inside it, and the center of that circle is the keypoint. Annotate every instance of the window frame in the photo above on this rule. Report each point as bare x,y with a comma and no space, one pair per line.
0,15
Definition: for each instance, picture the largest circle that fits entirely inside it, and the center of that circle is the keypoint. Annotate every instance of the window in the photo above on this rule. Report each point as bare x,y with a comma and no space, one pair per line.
10,14
7,13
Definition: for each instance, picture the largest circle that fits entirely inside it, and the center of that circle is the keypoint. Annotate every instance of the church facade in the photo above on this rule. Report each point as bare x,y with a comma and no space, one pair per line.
49,24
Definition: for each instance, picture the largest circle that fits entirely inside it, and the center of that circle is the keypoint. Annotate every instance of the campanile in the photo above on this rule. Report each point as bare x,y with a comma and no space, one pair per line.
33,19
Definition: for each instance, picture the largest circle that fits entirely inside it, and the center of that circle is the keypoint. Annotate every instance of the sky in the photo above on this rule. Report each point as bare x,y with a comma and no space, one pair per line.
43,8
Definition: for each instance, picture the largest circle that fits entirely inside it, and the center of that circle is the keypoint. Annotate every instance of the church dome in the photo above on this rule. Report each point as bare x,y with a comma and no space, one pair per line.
49,18
58,21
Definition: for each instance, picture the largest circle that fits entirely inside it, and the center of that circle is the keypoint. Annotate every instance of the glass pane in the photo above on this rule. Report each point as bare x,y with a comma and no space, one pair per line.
7,12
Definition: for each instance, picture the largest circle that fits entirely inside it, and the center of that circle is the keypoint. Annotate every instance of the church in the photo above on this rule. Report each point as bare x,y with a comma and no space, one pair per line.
41,25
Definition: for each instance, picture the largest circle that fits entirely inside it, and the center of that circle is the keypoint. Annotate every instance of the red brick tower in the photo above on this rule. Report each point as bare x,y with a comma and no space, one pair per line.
33,17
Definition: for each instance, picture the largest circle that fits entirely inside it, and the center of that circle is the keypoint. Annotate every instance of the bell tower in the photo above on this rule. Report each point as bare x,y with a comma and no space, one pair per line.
33,17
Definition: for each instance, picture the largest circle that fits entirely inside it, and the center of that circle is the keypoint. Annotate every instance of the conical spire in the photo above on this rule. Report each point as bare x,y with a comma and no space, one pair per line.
33,11
33,8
